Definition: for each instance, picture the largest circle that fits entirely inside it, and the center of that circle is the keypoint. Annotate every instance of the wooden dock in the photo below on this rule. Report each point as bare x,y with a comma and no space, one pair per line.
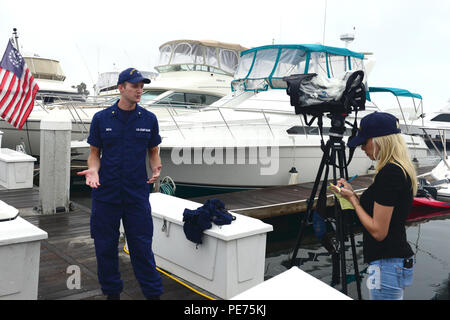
277,201
69,243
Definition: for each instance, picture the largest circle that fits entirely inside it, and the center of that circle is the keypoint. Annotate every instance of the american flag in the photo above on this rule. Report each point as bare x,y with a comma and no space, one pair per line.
17,88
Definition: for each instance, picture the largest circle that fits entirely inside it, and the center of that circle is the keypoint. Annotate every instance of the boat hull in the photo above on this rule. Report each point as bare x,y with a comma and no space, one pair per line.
253,167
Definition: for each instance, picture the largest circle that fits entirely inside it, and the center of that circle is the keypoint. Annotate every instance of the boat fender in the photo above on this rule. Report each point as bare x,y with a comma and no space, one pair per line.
293,176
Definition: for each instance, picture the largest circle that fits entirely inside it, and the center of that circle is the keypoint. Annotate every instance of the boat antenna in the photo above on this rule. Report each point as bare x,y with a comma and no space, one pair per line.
348,38
16,38
324,22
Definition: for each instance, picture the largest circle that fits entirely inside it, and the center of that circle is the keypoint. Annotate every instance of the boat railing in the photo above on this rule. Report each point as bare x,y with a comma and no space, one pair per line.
181,123
443,137
74,104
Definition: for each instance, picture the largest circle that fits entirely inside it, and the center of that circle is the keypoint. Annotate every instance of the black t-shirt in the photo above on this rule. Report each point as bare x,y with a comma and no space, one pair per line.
392,187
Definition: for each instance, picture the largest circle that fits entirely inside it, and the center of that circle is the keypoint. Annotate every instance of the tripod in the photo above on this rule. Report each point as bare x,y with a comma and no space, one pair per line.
333,150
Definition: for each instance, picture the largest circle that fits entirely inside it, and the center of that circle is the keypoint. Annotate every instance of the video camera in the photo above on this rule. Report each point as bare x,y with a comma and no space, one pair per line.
315,95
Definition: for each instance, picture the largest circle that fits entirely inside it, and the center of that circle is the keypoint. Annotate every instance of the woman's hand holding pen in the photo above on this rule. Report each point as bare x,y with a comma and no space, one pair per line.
345,189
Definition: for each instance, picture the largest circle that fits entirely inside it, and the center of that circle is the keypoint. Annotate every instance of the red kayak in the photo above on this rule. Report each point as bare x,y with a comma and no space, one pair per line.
428,207
430,202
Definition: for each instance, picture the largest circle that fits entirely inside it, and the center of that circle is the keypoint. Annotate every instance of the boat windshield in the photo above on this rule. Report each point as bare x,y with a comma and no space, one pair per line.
208,56
263,67
149,96
187,99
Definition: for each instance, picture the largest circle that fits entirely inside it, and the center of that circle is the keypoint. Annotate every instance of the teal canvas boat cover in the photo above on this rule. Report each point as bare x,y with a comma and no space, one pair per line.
264,67
396,92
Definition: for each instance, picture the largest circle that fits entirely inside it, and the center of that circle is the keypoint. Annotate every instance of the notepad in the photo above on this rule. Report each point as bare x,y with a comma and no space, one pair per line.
344,203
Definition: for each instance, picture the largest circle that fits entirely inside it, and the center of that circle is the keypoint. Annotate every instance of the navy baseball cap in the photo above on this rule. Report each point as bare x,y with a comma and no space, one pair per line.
376,124
132,75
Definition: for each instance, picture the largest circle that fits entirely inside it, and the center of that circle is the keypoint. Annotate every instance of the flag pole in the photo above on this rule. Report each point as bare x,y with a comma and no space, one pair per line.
16,38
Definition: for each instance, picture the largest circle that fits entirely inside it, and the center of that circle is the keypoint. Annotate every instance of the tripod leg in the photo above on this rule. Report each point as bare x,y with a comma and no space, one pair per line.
355,264
306,217
339,220
344,173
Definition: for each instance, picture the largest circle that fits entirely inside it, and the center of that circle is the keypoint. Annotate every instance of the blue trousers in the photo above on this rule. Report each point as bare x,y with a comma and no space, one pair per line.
138,225
388,278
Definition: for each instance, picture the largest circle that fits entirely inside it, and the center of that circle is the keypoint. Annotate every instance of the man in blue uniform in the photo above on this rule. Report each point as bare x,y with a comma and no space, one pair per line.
120,137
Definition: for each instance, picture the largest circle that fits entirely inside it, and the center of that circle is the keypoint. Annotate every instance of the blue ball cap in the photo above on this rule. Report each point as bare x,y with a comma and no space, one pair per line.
376,124
132,75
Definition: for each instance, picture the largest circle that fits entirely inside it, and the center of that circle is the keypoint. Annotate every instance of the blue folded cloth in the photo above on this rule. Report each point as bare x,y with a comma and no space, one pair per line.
200,219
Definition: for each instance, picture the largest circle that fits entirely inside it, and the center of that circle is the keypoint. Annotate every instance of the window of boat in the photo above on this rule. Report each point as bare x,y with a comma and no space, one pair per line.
164,56
211,56
182,54
176,98
108,88
264,63
228,60
168,68
292,61
148,96
445,117
318,63
185,67
202,99
337,65
261,70
186,99
110,100
245,63
201,67
197,54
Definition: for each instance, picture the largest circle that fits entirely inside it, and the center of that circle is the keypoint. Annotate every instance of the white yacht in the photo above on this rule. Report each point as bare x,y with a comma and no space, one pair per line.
438,119
192,75
252,137
53,89
51,80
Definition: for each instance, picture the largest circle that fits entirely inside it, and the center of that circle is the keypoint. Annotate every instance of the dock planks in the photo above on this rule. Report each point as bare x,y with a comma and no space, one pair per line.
69,242
276,201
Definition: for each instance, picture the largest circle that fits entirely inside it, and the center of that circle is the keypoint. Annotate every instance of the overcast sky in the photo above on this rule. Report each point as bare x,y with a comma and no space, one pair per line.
410,39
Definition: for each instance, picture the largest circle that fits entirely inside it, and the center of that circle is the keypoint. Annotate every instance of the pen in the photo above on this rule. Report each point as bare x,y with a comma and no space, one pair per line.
351,179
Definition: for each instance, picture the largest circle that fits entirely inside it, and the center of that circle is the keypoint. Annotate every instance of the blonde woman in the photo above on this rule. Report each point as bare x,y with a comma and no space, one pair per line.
384,207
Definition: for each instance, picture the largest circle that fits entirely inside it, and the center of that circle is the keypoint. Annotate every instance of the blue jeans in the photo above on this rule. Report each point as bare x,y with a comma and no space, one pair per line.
388,278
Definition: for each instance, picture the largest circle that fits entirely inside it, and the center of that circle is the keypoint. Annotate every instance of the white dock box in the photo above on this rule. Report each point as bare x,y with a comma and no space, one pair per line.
16,169
19,256
229,261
